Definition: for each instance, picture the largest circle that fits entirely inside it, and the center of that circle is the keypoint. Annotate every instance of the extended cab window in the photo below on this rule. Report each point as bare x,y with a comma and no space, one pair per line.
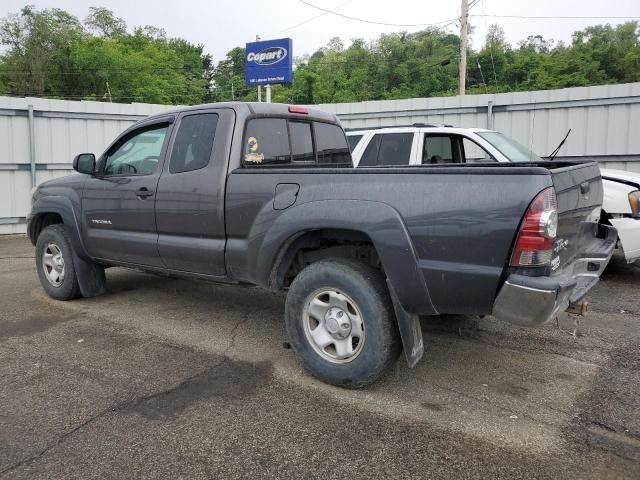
388,149
193,143
137,154
266,142
331,144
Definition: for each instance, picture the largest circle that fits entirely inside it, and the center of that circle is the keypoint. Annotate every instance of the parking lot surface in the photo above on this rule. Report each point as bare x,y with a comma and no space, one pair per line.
177,378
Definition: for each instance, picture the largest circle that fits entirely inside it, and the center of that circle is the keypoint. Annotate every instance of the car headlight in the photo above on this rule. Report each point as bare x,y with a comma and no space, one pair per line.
634,203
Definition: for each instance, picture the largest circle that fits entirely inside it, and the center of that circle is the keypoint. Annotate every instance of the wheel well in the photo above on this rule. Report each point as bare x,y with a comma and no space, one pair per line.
40,222
312,246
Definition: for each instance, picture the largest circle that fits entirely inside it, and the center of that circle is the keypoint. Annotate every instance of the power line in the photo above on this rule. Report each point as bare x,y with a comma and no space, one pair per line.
557,17
446,22
309,19
473,3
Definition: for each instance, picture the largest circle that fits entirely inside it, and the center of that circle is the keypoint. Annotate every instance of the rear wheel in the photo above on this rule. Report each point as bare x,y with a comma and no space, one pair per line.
54,262
341,321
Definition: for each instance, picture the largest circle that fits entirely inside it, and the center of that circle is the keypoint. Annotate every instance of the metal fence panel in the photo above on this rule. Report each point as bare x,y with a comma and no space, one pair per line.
61,129
605,121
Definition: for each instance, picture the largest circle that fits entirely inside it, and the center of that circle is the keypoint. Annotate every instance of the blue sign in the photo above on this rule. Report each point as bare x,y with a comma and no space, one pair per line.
268,62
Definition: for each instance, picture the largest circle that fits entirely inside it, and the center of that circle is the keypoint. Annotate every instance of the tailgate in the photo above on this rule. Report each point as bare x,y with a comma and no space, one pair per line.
579,194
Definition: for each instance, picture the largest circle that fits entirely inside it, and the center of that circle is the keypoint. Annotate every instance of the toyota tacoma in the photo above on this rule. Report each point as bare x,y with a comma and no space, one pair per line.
266,194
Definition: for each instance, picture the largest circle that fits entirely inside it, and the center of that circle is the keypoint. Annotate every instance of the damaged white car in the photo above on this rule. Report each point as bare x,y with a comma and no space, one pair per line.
621,208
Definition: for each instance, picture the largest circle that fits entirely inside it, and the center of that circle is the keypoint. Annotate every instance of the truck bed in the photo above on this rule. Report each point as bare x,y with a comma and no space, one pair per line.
461,219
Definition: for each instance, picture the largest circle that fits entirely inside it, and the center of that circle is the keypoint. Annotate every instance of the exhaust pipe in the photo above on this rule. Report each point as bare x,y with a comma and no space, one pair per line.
580,309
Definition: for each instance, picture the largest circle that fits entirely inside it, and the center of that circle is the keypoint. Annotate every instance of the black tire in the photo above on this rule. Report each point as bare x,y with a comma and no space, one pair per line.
69,288
367,288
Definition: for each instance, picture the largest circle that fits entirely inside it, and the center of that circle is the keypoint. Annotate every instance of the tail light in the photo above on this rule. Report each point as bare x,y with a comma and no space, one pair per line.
534,245
298,109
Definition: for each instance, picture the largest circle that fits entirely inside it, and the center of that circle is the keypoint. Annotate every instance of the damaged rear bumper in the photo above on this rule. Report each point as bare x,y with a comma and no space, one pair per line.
533,301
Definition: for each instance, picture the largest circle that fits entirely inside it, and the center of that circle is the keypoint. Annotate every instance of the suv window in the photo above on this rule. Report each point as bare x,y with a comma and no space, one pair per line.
331,143
474,153
193,143
370,155
266,142
137,154
353,141
301,141
388,149
437,149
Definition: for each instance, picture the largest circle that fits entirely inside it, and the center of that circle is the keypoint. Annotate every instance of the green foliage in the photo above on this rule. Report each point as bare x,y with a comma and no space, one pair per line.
51,53
425,64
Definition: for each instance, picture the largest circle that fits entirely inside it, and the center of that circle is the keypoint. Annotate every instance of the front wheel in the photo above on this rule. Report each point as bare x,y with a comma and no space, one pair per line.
341,321
54,262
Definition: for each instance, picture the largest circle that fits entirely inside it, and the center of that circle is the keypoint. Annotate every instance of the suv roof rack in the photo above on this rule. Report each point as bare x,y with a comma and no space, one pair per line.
420,125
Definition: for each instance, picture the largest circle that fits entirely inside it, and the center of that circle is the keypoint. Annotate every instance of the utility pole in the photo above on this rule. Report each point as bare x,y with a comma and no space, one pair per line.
259,87
464,31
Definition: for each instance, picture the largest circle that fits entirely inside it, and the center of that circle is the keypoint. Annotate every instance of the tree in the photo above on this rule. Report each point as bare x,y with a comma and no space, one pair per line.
50,53
105,22
39,44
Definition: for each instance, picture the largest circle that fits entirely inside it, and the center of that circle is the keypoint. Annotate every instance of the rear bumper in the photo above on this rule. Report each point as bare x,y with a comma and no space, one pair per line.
629,236
533,301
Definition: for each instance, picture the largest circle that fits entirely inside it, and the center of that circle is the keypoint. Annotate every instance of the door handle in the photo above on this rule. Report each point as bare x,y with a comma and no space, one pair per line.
144,192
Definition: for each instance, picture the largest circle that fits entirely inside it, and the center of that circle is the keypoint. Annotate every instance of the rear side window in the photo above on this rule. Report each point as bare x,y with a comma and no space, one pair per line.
353,141
193,143
301,141
267,142
388,149
370,155
331,144
437,149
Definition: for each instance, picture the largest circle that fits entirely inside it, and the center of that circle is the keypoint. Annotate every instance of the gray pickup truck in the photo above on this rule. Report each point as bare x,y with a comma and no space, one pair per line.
265,194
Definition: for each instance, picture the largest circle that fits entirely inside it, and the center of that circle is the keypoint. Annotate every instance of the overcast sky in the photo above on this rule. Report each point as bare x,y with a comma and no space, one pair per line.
222,25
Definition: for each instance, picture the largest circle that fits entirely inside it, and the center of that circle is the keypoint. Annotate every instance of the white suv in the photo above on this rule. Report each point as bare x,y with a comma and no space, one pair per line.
422,144
432,144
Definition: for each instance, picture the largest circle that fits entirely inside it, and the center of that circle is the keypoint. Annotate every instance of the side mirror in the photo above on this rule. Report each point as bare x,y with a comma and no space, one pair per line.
85,163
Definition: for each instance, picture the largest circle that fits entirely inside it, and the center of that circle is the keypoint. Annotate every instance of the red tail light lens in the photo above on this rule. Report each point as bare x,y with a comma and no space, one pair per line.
534,245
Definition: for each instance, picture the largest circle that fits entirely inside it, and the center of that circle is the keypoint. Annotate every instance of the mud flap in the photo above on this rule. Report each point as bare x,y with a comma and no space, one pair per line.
410,332
91,277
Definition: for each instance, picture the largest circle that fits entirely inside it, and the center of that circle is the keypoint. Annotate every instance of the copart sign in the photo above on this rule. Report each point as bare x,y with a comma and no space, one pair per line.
268,62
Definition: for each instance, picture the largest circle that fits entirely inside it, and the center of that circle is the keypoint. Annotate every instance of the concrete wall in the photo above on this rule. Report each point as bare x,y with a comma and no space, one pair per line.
604,120
605,123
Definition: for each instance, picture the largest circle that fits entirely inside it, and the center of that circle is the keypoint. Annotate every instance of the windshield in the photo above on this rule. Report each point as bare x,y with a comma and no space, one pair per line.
510,148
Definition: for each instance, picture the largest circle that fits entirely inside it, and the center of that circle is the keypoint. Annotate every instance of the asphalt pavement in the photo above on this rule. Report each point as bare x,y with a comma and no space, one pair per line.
170,378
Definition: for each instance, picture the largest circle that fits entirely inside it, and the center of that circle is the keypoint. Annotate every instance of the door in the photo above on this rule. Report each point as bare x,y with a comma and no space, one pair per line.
118,204
438,148
190,198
